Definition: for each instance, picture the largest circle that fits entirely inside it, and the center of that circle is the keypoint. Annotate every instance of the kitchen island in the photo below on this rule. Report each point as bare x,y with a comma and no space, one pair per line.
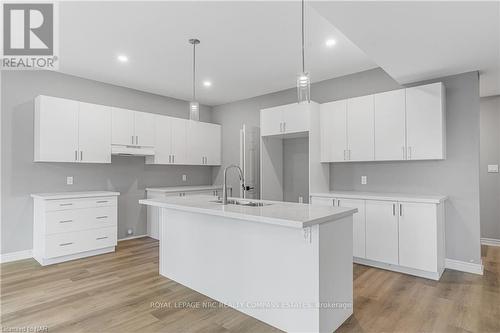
286,264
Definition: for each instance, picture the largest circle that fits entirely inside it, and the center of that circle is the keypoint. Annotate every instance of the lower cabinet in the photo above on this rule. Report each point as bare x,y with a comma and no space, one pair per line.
407,237
73,227
382,231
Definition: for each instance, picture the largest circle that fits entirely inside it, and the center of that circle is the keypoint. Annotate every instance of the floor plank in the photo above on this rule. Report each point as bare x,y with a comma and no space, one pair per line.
123,292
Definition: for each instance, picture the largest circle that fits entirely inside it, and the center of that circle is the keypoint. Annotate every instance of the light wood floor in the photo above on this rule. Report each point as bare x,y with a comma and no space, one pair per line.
115,292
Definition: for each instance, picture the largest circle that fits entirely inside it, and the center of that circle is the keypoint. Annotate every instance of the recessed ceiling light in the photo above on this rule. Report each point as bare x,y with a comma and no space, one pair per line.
330,42
207,83
122,58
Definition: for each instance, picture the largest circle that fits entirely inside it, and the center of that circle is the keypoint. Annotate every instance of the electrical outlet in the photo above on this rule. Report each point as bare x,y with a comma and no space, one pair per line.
130,232
301,200
184,178
364,180
69,180
493,168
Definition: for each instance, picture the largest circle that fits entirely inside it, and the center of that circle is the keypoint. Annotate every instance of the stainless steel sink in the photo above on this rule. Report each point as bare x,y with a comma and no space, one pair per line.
243,203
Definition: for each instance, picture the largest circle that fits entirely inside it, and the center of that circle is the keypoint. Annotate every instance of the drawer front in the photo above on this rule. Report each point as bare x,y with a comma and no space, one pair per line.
74,242
68,204
80,219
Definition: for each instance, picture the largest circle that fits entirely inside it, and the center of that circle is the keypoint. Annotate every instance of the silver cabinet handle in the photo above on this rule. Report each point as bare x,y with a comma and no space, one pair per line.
338,202
345,158
132,139
281,126
65,244
400,210
136,140
403,153
99,238
173,158
76,155
408,156
393,209
169,158
102,201
66,221
101,217
284,126
81,155
66,204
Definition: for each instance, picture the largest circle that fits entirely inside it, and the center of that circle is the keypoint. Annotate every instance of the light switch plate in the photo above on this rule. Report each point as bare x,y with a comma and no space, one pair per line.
493,168
364,180
184,178
69,180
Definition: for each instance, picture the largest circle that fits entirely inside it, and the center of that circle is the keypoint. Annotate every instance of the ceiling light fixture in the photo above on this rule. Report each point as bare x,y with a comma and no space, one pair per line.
194,106
303,79
330,42
122,58
207,83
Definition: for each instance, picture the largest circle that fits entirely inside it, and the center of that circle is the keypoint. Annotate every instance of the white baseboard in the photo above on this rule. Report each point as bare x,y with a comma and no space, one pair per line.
464,266
14,256
490,241
133,237
400,269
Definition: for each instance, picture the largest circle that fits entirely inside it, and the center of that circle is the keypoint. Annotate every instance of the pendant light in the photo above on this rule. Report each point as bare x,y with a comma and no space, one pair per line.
194,106
303,79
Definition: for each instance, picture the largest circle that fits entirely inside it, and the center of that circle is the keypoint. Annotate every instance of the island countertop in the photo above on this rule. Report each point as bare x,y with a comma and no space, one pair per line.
285,214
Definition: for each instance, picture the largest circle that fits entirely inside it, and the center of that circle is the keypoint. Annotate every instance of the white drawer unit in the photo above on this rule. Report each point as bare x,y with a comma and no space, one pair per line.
73,225
403,233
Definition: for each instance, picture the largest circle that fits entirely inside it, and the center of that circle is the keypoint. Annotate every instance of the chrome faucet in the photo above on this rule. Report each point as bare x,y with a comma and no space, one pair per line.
224,187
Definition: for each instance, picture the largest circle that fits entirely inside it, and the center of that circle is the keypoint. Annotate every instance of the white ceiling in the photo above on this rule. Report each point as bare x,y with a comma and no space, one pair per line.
247,48
415,41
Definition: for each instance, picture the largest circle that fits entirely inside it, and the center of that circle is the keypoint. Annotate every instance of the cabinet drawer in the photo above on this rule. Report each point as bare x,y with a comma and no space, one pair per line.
80,219
62,244
66,204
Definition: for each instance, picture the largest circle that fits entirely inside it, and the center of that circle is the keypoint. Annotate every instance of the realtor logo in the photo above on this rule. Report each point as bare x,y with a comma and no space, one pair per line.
29,36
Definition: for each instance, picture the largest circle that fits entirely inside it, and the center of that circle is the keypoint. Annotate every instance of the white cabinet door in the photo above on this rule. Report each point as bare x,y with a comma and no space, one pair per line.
195,142
418,236
56,129
94,133
333,122
271,121
179,150
122,129
144,129
382,231
390,126
360,129
296,118
163,142
319,201
358,225
425,127
213,144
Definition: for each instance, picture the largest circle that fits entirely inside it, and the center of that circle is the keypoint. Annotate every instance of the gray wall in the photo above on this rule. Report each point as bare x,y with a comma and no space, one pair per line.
127,175
490,154
457,176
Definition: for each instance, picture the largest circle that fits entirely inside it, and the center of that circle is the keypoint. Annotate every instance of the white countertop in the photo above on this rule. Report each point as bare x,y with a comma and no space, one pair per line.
286,214
73,195
171,189
382,196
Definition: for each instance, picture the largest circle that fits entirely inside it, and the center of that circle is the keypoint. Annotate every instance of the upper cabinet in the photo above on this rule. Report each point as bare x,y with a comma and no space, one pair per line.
204,143
285,119
133,128
390,125
405,124
425,122
71,131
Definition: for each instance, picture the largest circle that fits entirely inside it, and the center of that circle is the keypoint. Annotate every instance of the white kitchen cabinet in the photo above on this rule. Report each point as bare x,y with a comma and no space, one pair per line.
418,233
285,119
170,141
204,143
382,240
94,133
360,129
144,129
333,128
358,225
71,131
425,122
122,126
179,144
73,225
133,128
390,125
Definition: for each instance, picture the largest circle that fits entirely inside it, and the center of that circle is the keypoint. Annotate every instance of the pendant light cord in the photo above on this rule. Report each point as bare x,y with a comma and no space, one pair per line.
303,57
194,71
